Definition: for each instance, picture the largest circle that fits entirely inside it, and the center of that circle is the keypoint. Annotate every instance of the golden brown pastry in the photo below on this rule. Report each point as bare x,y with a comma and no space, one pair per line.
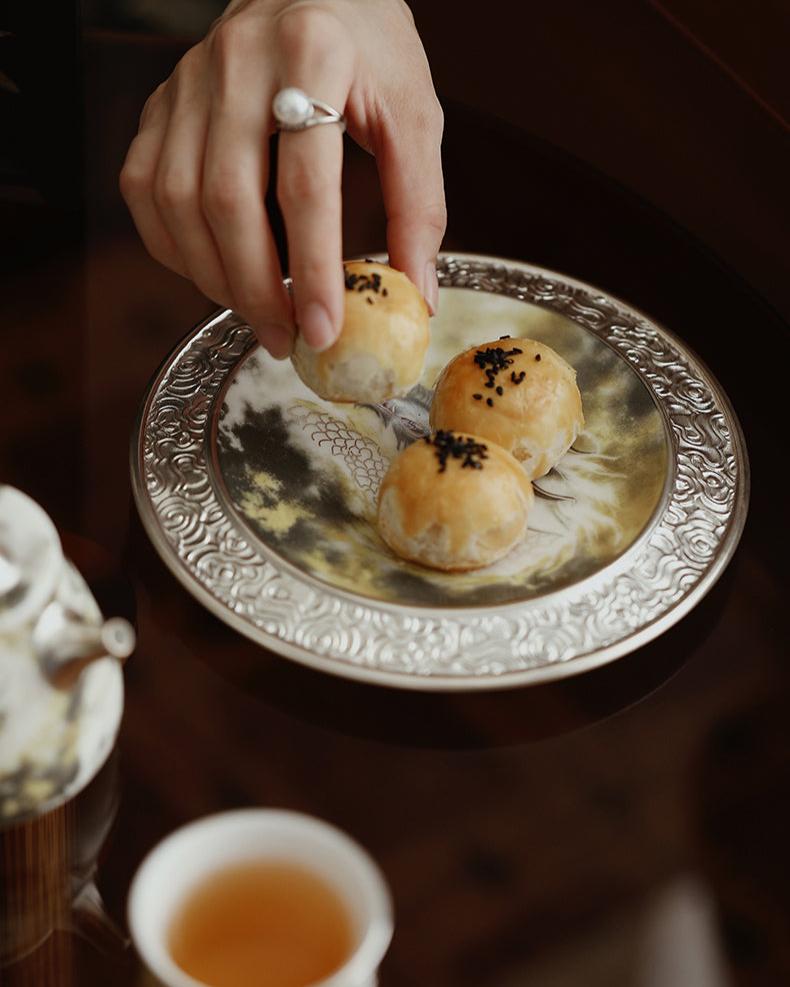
455,502
516,392
381,349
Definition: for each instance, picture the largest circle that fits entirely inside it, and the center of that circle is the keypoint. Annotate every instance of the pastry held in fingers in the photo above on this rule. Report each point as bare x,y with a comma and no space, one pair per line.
518,393
380,351
453,501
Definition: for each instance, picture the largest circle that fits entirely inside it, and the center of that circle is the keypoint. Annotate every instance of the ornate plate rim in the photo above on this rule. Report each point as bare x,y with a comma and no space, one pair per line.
554,667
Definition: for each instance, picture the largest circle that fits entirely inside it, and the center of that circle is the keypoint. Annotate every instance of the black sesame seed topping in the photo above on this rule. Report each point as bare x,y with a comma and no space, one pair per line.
492,361
537,356
384,292
363,282
494,358
369,300
504,337
452,446
478,397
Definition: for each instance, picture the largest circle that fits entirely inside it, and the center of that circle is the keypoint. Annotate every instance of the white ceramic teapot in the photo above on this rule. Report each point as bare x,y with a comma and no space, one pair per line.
61,682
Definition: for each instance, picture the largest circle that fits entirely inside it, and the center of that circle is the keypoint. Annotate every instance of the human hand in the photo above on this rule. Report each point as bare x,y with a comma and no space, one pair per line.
195,175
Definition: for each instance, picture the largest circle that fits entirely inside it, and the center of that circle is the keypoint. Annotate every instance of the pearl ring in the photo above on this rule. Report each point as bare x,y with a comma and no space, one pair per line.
295,110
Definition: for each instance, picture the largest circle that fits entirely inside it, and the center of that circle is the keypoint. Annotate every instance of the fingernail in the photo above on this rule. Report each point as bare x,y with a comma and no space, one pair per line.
279,340
316,326
430,287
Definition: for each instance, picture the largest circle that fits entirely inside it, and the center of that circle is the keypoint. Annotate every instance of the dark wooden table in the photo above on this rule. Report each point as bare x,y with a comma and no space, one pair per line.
626,827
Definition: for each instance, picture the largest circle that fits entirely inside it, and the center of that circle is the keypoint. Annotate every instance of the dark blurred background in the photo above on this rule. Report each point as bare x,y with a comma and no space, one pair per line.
686,102
643,146
683,103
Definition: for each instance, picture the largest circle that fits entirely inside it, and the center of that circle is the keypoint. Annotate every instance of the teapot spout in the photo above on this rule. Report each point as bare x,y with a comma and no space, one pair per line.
66,644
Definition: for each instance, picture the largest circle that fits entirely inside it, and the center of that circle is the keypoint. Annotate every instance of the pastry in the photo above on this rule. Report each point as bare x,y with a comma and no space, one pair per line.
517,393
380,351
453,501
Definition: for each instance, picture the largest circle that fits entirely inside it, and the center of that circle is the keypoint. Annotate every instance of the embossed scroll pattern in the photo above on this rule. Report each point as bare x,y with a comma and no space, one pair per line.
691,537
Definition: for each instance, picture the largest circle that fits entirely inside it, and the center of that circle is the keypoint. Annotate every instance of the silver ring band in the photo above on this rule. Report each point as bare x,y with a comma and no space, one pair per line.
294,110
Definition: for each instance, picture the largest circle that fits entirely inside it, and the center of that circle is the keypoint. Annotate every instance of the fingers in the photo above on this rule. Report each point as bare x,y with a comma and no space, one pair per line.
408,153
309,176
235,169
177,184
137,181
195,176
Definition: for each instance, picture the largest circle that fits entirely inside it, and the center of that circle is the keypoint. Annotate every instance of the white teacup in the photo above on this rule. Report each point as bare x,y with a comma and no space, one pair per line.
190,855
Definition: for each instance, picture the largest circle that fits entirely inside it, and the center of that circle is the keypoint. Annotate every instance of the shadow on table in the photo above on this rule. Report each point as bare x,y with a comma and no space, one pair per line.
438,720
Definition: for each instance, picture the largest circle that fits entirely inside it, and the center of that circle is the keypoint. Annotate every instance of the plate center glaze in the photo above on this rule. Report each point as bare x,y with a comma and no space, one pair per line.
303,474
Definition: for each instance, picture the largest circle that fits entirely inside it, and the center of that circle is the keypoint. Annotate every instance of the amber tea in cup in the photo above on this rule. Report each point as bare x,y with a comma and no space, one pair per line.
269,922
260,896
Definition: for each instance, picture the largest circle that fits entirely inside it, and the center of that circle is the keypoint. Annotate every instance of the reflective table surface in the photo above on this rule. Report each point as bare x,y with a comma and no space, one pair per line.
627,826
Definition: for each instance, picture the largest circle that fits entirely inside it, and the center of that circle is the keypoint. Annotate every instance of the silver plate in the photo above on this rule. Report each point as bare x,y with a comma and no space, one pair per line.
260,497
